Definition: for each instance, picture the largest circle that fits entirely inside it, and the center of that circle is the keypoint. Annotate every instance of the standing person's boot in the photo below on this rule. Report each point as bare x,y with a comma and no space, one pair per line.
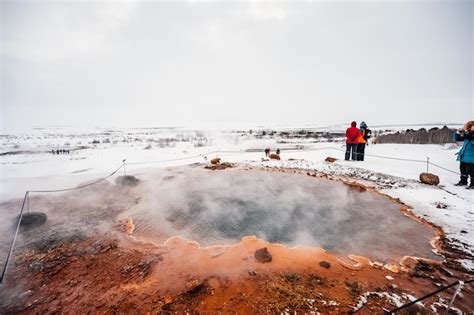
348,152
471,185
462,182
463,169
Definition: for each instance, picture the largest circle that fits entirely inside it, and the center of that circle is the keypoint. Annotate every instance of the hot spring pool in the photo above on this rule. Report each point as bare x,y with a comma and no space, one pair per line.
221,207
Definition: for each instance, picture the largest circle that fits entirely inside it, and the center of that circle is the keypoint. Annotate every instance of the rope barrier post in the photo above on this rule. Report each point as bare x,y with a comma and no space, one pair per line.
124,171
458,289
427,164
28,201
430,295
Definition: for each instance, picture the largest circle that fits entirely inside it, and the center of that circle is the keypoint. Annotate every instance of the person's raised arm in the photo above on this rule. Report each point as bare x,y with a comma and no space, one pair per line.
459,135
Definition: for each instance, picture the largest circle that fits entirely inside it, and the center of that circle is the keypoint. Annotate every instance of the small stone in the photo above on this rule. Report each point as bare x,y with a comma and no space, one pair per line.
36,266
325,264
252,273
73,283
390,278
262,255
127,180
274,156
440,205
354,286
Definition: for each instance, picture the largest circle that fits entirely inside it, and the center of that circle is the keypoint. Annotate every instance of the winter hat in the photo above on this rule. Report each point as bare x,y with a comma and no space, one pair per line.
353,124
363,124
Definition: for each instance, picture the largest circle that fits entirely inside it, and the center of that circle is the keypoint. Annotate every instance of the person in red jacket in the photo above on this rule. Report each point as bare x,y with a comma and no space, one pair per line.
352,140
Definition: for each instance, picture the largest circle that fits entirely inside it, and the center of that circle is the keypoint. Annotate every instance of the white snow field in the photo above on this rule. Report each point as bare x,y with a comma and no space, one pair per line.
27,163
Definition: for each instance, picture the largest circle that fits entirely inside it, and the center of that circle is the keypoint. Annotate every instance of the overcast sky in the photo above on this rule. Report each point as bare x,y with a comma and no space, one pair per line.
152,63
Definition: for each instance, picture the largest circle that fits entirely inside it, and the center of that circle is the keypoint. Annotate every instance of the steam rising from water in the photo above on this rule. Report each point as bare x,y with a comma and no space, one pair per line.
222,207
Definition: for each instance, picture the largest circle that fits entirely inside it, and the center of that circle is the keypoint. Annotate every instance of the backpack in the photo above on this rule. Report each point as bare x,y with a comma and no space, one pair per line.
367,134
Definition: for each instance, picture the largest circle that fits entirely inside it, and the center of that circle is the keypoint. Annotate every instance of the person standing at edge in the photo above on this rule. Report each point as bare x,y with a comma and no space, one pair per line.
364,135
466,154
352,139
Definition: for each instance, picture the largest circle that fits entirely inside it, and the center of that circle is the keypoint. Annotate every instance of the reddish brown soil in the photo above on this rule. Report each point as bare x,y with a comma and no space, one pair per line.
106,276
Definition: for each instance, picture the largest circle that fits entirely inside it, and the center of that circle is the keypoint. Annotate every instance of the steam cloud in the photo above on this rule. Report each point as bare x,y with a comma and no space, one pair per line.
222,207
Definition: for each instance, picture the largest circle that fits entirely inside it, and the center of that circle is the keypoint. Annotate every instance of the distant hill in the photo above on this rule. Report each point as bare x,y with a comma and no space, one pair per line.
421,136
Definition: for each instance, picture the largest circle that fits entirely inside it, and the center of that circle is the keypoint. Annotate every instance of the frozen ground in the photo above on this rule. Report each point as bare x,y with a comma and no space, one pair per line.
28,164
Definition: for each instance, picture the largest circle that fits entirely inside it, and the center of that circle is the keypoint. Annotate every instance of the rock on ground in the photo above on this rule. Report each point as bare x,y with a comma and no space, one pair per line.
429,179
262,255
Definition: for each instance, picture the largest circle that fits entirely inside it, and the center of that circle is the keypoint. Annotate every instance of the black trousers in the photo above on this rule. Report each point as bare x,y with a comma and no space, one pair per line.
351,147
360,151
467,170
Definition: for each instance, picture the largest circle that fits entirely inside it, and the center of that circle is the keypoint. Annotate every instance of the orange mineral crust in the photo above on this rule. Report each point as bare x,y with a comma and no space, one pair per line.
108,275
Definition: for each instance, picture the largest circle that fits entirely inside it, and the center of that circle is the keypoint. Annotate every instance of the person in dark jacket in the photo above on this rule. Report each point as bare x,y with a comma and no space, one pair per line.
363,137
352,139
466,154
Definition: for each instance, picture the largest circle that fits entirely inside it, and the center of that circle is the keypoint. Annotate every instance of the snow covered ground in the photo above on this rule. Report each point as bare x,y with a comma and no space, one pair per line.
27,163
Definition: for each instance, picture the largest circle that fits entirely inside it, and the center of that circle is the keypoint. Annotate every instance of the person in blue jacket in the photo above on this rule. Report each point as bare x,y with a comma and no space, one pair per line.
466,154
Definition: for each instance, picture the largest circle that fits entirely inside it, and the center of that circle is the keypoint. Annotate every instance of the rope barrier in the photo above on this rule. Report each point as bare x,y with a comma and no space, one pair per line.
81,186
164,161
428,161
12,246
357,153
26,200
444,168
